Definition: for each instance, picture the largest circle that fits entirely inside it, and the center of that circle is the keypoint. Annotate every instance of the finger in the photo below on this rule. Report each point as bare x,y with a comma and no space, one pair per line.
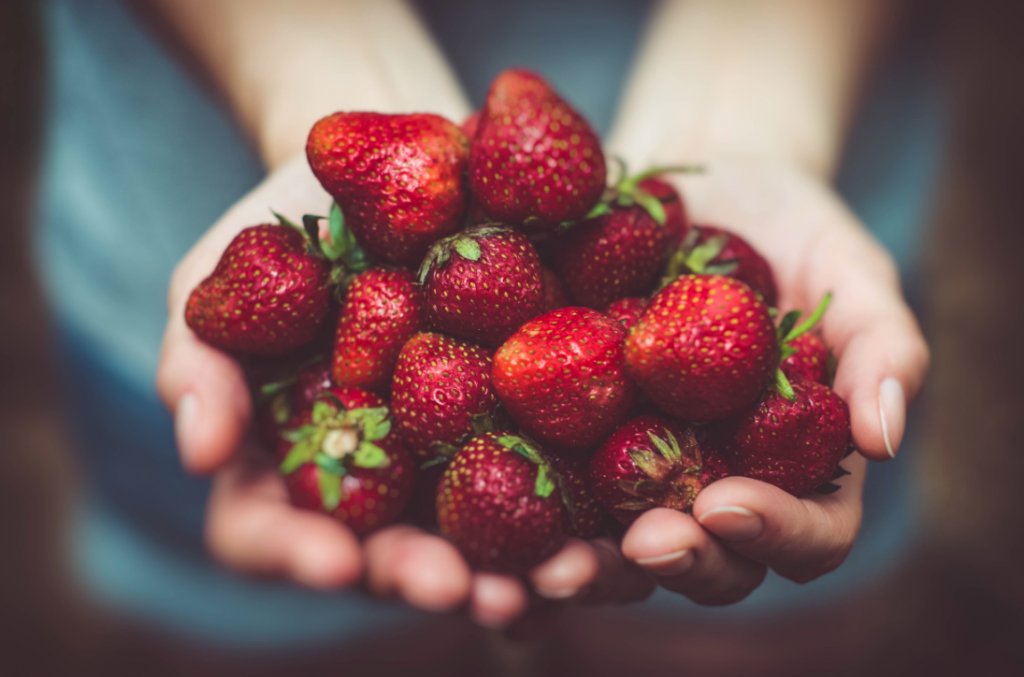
882,355
798,538
206,391
684,558
425,571
619,580
251,527
567,572
496,600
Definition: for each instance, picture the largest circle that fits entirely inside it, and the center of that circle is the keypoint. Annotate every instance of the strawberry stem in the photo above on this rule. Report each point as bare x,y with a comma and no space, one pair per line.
806,325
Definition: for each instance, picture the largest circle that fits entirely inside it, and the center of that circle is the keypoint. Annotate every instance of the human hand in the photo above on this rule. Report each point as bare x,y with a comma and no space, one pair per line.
815,245
251,525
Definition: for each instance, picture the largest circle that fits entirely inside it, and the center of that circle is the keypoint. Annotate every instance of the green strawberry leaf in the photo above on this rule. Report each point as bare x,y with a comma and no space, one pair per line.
701,255
662,446
840,471
271,389
445,450
787,350
651,205
437,460
600,209
285,221
806,325
301,452
725,268
786,325
633,505
328,464
650,463
468,248
482,423
280,409
311,224
521,447
544,485
330,489
369,455
323,410
629,184
783,386
300,433
339,244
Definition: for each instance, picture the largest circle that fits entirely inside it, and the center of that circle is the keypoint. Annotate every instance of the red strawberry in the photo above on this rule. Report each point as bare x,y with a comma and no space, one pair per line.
677,222
442,394
482,284
280,401
794,444
399,179
716,251
610,257
627,311
562,377
535,162
585,516
651,462
499,502
554,293
704,349
345,461
383,309
810,361
268,294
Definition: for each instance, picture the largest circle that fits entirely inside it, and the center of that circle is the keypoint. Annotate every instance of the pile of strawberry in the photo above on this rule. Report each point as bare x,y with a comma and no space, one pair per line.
484,337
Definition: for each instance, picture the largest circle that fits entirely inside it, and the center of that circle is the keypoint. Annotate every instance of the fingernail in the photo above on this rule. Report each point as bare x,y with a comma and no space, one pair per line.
185,418
732,523
672,564
892,410
564,593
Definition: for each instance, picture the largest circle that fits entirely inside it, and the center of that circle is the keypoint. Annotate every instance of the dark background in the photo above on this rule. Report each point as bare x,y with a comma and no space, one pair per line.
954,608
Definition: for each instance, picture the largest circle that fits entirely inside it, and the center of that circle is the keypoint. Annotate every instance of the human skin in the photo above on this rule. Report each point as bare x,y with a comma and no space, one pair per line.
758,91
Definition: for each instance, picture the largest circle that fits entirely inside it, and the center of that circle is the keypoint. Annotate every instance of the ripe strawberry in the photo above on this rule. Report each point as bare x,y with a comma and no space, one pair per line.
278,402
610,257
535,162
652,462
554,293
562,377
704,349
499,502
470,125
627,311
794,444
345,461
399,179
710,250
268,294
810,361
382,310
482,284
442,394
677,221
584,514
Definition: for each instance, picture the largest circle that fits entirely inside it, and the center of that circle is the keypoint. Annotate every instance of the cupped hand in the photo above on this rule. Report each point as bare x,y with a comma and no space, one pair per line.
251,526
742,527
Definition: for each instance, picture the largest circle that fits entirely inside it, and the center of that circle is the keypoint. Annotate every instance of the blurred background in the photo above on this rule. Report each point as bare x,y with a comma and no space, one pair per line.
955,606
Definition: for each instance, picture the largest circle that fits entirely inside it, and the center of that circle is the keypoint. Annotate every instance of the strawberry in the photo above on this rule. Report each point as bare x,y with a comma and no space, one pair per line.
584,514
610,257
677,221
651,462
382,310
278,402
562,377
710,250
619,250
809,361
795,444
268,294
442,394
534,162
627,311
704,349
399,179
554,292
482,284
470,125
499,503
345,461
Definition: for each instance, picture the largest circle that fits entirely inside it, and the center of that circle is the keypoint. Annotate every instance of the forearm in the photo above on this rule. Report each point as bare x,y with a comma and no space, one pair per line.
764,79
284,64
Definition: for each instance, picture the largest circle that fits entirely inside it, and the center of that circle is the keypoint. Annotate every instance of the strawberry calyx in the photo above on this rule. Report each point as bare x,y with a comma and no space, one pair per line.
463,243
336,244
626,192
336,440
546,475
673,475
788,330
481,423
692,258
